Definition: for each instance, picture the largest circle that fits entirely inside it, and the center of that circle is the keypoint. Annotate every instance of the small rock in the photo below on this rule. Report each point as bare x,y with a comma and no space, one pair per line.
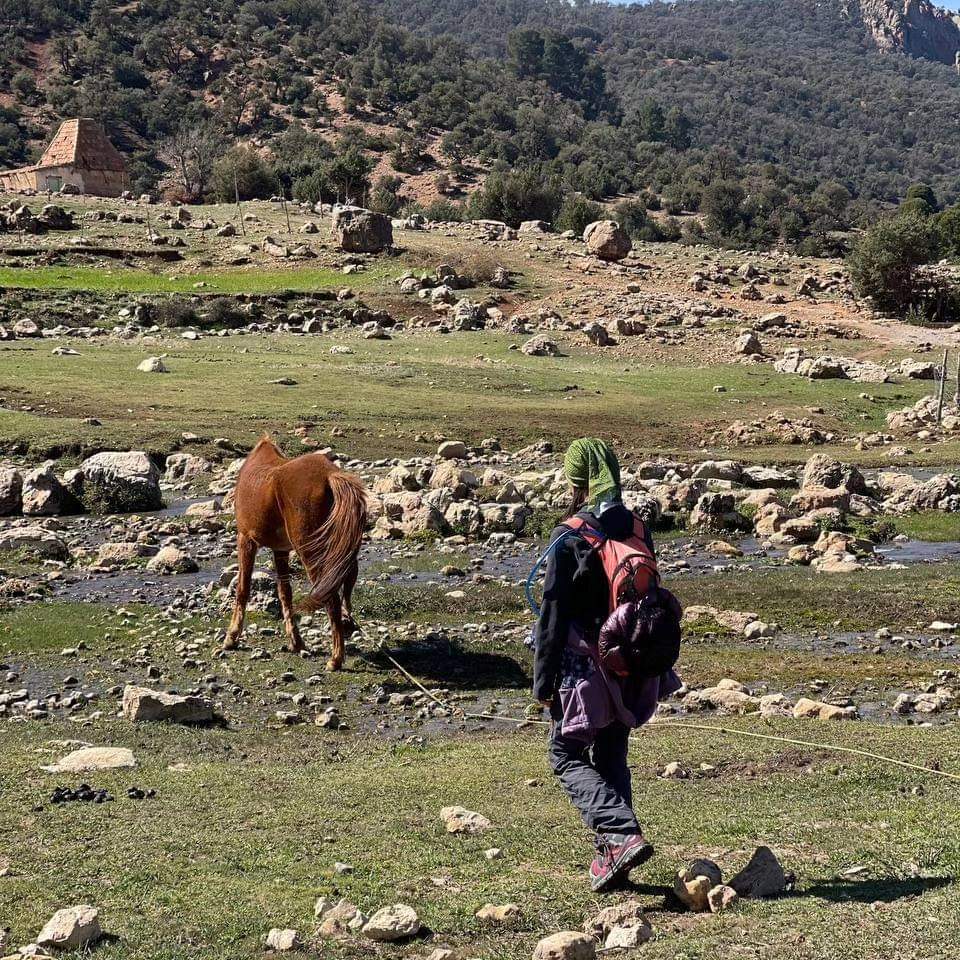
694,883
152,365
398,922
461,820
71,928
722,897
566,945
283,940
498,914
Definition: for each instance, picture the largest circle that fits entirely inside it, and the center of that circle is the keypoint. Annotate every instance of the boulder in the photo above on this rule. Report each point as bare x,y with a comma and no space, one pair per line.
184,466
597,334
152,365
93,759
45,496
452,450
123,551
11,492
34,541
71,928
121,482
540,346
715,513
724,699
718,470
806,708
504,517
822,471
142,704
607,240
566,945
761,877
388,924
362,231
448,476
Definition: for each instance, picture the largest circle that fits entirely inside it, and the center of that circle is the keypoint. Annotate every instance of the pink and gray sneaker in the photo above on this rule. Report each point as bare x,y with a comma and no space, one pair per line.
615,860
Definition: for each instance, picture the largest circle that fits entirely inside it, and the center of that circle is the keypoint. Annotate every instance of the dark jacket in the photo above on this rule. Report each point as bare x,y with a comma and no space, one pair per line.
575,591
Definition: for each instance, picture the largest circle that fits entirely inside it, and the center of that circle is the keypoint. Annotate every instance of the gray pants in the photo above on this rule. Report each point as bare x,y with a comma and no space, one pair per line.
597,778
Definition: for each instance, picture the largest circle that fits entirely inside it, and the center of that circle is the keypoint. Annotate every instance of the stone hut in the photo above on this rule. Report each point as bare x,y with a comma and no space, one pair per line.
79,159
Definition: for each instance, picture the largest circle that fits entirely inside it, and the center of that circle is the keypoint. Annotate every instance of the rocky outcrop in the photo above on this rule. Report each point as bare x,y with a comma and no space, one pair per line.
914,27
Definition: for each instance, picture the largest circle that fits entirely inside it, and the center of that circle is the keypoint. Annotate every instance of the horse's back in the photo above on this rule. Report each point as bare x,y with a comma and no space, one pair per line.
305,480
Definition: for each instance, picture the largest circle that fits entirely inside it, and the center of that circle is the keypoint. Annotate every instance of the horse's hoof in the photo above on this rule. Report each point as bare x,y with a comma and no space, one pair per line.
231,643
334,665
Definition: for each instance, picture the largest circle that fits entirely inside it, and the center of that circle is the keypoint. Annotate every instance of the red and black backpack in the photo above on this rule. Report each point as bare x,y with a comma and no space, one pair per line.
641,635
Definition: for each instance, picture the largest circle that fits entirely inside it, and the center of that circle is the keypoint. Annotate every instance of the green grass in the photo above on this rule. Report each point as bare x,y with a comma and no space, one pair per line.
802,600
387,392
185,279
933,526
246,838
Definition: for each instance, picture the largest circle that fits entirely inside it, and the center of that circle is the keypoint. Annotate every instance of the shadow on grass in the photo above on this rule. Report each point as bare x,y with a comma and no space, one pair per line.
882,889
447,663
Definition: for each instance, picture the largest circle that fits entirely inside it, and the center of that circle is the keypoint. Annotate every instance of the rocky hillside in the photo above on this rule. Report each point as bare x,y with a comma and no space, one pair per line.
915,27
778,120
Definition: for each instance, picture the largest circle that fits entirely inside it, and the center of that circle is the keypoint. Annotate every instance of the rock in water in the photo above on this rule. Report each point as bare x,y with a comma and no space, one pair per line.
45,496
172,559
90,759
143,704
566,945
607,240
761,877
392,923
121,482
694,883
283,941
461,820
71,928
362,231
36,541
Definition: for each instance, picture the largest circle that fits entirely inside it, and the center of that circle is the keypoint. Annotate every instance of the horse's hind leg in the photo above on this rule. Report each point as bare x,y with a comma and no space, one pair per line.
281,562
246,552
335,613
349,624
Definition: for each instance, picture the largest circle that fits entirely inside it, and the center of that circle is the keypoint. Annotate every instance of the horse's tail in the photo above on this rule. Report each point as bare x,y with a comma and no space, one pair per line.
330,553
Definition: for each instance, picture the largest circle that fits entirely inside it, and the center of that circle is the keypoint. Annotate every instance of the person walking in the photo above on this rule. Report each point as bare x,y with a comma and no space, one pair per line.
592,711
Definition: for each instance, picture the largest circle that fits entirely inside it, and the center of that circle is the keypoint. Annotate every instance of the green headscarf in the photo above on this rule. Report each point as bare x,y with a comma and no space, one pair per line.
590,464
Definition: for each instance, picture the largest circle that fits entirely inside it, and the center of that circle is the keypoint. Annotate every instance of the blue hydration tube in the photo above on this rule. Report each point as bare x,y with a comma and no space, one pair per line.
528,589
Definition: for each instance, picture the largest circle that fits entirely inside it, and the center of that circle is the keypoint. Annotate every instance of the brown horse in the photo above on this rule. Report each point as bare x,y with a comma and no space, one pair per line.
308,505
